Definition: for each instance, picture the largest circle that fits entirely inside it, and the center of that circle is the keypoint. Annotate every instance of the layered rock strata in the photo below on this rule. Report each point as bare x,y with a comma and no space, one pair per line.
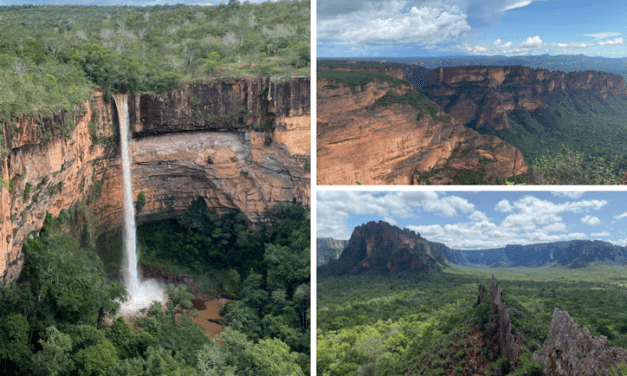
482,97
388,145
236,164
572,351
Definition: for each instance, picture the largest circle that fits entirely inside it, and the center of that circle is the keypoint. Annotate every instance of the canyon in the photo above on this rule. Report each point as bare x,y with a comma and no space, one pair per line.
482,97
359,141
238,143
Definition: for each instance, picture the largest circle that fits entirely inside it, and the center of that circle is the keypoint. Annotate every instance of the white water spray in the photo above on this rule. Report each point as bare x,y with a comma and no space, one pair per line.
141,294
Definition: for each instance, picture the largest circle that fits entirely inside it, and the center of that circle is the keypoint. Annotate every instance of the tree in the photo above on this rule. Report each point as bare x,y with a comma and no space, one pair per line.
54,358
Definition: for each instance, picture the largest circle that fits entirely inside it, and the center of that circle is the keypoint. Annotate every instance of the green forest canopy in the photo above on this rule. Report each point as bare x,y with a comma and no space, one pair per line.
52,56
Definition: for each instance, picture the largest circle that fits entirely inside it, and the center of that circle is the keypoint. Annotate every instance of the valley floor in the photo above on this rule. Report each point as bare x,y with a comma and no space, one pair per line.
388,326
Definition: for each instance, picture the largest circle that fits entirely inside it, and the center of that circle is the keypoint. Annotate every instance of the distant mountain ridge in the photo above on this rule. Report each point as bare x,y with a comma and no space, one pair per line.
565,63
383,249
571,254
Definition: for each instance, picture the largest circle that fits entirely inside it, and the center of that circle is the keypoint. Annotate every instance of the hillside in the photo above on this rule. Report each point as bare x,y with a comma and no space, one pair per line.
378,248
408,139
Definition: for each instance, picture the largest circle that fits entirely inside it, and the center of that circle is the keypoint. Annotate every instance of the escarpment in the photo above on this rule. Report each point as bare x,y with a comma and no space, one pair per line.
363,140
246,160
382,249
482,97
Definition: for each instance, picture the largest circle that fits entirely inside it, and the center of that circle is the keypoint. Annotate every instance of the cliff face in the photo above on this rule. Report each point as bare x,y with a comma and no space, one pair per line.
482,97
328,249
380,248
54,166
388,145
572,351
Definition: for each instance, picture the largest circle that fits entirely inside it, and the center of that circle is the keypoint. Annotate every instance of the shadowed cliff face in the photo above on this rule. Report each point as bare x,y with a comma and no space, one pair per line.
54,166
383,249
388,145
328,249
482,97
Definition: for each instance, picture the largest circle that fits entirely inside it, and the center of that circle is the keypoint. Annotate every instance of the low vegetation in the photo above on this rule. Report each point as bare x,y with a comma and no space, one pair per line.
388,326
53,56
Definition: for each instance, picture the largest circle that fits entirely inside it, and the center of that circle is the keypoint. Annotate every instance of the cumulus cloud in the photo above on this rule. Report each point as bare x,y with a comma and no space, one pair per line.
532,220
334,208
568,194
394,23
503,206
532,42
478,216
591,220
612,42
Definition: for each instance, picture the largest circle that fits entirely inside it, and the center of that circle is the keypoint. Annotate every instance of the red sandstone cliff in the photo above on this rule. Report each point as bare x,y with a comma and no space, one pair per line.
387,145
483,96
232,165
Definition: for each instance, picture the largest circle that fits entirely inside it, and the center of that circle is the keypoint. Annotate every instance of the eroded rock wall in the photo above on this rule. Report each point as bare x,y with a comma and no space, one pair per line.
387,145
54,165
481,97
572,351
507,345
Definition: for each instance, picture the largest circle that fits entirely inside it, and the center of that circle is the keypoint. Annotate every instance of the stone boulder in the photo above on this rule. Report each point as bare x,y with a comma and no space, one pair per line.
572,351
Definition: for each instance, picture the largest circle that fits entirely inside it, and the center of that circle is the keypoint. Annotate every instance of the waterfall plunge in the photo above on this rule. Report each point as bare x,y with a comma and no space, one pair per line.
141,293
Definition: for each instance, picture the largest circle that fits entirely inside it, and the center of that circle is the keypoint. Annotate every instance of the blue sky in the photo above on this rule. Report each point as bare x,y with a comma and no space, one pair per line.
471,27
479,220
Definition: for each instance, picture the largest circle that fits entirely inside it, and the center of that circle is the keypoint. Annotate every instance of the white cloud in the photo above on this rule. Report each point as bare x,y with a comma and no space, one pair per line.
334,208
503,206
602,35
612,42
478,216
621,216
519,4
590,220
395,23
568,194
532,42
601,234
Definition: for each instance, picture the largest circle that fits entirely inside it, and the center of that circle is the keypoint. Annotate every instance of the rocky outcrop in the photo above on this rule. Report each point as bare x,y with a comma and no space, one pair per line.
482,97
56,165
503,330
415,74
571,351
328,249
383,249
388,145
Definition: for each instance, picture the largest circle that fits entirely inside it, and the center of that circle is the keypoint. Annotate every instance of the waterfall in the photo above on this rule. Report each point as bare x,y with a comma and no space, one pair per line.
141,294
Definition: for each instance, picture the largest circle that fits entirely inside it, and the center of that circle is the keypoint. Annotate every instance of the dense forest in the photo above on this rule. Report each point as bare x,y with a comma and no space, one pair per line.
53,56
370,325
59,318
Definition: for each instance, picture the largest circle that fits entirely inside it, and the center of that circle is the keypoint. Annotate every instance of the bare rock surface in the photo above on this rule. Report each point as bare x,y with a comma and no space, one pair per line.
388,145
504,336
572,351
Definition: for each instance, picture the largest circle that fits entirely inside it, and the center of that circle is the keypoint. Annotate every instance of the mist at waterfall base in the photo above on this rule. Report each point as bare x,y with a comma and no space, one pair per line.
141,293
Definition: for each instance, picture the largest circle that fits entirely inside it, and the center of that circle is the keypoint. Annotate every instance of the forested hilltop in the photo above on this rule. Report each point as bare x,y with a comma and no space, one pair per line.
51,56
